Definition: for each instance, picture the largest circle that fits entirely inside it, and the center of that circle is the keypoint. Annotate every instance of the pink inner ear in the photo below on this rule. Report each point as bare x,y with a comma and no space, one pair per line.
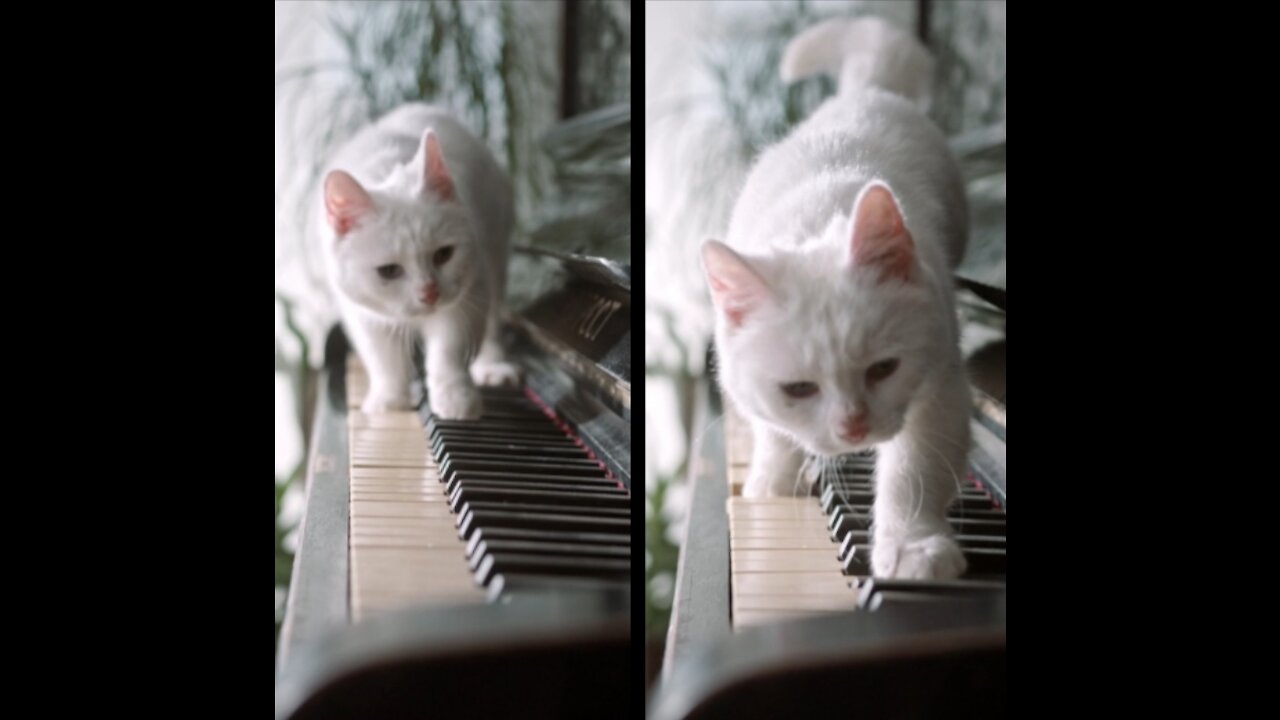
435,173
736,288
345,202
880,239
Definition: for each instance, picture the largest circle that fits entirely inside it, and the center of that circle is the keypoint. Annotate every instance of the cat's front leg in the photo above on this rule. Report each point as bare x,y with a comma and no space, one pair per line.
450,344
775,465
491,366
385,354
917,474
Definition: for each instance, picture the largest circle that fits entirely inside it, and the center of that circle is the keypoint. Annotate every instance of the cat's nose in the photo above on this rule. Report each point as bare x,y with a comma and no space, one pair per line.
429,293
855,427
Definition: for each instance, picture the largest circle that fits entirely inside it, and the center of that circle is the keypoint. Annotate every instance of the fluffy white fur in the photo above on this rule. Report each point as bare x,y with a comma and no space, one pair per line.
415,191
837,258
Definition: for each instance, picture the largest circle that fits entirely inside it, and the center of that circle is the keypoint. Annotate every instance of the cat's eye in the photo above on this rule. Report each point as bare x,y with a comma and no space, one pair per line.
800,390
390,272
442,255
881,370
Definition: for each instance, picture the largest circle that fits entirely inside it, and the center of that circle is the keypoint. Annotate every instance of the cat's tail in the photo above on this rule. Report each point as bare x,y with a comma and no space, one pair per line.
861,52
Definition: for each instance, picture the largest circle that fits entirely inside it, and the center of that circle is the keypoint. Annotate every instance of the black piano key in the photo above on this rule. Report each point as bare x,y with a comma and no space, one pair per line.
984,560
843,522
952,513
532,480
500,534
502,412
980,541
468,494
856,560
829,501
850,540
863,537
537,547
515,466
548,508
887,598
574,485
532,431
503,449
530,423
830,498
966,498
473,519
516,563
548,441
932,588
440,442
528,457
943,588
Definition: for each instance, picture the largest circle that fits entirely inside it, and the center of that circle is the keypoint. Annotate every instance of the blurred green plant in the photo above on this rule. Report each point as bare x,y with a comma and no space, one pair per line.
590,210
660,556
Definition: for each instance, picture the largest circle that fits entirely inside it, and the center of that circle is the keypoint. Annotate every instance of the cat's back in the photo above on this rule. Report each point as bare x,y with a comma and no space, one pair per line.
816,172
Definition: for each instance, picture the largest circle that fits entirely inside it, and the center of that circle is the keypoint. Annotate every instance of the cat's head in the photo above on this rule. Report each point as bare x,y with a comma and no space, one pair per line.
405,250
829,343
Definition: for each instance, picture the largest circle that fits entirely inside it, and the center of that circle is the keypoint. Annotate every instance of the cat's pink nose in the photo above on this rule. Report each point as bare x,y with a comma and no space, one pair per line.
429,294
854,427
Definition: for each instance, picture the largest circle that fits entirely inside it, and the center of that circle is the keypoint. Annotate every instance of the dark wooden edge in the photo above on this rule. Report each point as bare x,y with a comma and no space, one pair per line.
849,642
700,605
318,597
528,624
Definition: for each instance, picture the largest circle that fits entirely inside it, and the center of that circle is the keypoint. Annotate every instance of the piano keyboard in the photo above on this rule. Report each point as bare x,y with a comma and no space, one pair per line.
453,512
803,556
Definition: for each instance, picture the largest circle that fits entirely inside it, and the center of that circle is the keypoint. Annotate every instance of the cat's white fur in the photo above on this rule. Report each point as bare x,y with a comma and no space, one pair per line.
838,256
406,186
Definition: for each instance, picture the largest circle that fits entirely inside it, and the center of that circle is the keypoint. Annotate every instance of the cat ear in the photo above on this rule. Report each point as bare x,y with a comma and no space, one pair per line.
736,289
435,175
879,238
345,202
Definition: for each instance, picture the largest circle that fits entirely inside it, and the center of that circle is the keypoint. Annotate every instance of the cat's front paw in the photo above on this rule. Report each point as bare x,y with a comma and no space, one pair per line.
380,403
933,557
456,401
495,374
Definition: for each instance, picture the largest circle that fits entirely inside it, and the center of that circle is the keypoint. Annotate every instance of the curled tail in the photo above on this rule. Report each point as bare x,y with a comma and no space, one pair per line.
864,52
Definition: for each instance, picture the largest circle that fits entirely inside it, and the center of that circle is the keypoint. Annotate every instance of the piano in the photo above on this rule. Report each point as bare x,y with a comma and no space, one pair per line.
775,608
480,566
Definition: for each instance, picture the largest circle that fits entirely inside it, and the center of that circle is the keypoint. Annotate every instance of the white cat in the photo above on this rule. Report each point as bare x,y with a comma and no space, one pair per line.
836,329
417,216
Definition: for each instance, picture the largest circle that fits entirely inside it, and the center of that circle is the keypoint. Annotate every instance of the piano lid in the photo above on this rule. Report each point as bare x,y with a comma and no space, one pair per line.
587,267
586,314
